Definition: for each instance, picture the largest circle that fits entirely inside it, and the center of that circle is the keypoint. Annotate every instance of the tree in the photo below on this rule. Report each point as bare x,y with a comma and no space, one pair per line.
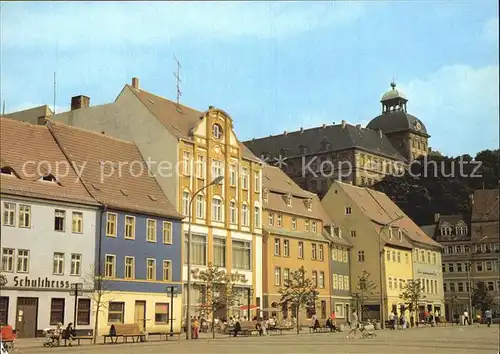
481,298
220,292
298,291
365,286
99,285
412,294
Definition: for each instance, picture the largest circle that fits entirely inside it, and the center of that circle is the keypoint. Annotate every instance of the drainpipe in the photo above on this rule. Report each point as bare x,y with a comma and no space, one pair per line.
99,270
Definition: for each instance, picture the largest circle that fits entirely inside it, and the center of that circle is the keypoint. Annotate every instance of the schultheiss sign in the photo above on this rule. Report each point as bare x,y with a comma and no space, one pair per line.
25,282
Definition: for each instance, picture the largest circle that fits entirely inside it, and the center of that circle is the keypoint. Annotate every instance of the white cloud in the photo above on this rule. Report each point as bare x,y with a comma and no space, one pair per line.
490,30
108,23
459,106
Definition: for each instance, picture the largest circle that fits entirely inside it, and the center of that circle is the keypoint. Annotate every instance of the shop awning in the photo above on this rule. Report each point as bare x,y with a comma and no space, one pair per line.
252,307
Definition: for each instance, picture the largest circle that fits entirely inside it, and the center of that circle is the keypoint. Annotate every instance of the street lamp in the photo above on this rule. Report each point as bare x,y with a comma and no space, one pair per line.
250,294
380,255
188,298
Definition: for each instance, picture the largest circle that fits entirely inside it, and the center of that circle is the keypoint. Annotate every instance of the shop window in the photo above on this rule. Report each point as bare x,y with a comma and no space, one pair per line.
83,315
116,311
56,311
161,313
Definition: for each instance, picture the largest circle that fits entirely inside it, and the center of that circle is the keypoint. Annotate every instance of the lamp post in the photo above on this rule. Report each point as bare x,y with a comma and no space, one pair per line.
380,256
250,294
76,290
188,284
171,289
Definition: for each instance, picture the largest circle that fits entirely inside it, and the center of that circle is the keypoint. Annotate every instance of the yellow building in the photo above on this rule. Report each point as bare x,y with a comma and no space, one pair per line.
383,240
293,224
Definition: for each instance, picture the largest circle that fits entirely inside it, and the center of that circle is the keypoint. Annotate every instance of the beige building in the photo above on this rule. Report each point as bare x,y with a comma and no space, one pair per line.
185,149
384,241
293,224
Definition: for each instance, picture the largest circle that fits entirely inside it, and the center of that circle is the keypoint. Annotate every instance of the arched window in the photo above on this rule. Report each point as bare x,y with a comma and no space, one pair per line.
233,212
257,217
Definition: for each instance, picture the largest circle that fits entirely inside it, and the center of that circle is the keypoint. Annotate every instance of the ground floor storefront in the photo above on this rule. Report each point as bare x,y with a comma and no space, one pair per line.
343,307
272,306
152,312
29,312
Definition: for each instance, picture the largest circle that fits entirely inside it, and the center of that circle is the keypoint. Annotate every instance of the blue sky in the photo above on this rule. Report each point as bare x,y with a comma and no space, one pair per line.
272,66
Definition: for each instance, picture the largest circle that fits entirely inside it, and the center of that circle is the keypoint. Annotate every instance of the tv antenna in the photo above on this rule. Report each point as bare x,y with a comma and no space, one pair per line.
54,107
178,83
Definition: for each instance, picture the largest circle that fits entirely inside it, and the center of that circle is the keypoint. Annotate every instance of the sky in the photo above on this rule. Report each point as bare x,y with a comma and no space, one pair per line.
273,66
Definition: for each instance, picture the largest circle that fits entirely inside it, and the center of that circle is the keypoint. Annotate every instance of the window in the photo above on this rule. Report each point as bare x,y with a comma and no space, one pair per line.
219,252
217,131
434,258
361,256
390,233
314,226
217,209
491,286
452,287
129,227
271,219
76,264
129,267
200,167
335,281
244,178
116,312
241,255
186,163
185,203
277,247
151,230
256,217
83,312
232,175
198,249
451,267
479,266
77,222
244,215
300,249
58,264
110,224
286,248
388,253
428,257
151,269
394,256
321,253
489,266
399,257
294,223
341,282
233,213
9,214
161,313
280,220
390,283
200,206
277,276
459,267
286,275
353,233
59,220
344,256
24,216
346,283
257,181
56,311
167,270
109,266
321,280
348,211
400,235
23,261
306,225
8,259
167,232
313,251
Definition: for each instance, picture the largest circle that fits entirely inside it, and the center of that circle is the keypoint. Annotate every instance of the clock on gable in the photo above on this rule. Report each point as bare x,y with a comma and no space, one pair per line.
418,126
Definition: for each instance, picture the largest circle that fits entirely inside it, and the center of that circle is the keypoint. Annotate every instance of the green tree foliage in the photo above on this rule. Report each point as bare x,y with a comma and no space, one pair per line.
412,293
441,184
365,287
481,298
298,291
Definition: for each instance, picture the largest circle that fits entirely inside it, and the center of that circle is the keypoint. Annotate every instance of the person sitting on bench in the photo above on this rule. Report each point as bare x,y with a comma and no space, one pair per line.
69,334
236,328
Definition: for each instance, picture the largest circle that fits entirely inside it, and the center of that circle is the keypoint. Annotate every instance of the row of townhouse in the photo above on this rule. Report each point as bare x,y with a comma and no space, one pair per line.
256,223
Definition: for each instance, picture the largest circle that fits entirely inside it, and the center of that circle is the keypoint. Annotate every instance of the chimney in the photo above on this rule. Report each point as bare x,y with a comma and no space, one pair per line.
358,126
323,126
78,102
285,132
135,83
211,107
301,129
380,133
343,123
436,217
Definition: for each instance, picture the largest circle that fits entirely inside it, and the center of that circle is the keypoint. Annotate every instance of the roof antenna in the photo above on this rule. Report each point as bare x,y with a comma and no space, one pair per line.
54,107
178,78
3,108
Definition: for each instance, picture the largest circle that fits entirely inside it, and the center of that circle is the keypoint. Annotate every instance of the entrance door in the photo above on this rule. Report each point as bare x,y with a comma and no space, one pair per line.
140,314
26,316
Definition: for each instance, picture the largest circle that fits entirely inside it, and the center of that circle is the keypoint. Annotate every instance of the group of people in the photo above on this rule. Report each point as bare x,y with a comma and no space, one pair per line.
487,317
54,336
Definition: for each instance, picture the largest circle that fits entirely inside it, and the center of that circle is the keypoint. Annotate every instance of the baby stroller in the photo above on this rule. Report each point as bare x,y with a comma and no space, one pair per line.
8,339
52,337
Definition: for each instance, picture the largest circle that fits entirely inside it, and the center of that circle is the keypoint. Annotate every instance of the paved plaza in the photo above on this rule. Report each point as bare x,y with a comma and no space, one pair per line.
455,340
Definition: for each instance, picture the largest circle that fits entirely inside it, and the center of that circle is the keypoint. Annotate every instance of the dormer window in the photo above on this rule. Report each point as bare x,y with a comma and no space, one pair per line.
338,232
390,233
303,149
48,178
217,131
265,195
400,235
7,171
461,230
288,200
446,231
308,203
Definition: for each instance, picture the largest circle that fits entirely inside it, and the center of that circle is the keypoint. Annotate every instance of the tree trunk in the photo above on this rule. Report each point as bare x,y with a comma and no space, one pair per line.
213,322
297,316
96,322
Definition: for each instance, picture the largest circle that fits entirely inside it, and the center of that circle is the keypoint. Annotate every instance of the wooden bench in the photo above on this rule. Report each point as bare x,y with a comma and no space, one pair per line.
166,334
77,339
247,329
126,330
322,327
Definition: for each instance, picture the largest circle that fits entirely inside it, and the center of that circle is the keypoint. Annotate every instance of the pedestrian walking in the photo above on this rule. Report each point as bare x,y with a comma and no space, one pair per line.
488,317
